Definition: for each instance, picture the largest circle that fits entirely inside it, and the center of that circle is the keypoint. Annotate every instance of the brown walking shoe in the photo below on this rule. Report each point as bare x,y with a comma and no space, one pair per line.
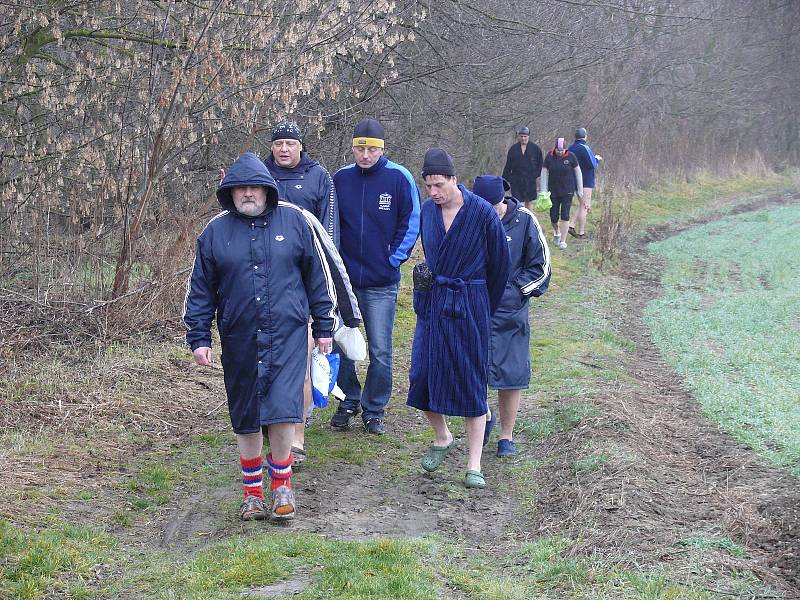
252,509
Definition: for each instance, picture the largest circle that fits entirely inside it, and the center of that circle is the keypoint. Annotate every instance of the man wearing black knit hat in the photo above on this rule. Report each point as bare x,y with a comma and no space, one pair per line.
379,216
456,291
302,180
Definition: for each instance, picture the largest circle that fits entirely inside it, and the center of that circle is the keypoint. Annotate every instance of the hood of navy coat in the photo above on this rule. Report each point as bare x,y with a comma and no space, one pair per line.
512,204
247,170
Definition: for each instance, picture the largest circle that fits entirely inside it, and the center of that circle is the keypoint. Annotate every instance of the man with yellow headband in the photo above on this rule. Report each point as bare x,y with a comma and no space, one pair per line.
379,224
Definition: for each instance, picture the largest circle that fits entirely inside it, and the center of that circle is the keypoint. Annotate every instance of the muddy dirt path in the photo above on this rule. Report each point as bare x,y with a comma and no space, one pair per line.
675,475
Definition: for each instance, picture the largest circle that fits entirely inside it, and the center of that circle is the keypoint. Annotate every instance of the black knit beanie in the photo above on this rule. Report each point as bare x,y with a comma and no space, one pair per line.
438,162
287,130
369,132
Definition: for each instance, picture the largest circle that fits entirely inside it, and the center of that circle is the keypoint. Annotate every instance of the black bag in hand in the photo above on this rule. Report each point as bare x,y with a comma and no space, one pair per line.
422,277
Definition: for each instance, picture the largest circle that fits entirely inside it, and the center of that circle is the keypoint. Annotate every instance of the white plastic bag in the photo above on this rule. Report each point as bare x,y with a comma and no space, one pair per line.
324,370
351,342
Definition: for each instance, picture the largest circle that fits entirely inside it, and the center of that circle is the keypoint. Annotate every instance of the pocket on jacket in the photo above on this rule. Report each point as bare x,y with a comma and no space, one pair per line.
422,301
453,304
235,350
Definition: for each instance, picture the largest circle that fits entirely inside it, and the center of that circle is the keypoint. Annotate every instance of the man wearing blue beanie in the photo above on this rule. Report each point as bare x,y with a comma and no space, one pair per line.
379,224
509,348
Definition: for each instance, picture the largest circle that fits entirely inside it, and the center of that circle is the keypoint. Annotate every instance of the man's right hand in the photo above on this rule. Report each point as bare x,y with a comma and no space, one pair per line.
202,356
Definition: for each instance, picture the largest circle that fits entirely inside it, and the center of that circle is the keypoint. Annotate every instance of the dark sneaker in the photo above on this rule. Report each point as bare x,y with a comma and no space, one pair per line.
252,509
283,504
506,448
341,419
374,426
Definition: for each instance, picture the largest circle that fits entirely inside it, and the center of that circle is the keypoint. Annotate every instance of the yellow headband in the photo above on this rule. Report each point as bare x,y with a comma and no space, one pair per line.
367,141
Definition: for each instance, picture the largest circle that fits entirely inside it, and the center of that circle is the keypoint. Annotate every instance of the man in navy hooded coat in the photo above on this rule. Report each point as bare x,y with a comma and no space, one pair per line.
261,270
509,349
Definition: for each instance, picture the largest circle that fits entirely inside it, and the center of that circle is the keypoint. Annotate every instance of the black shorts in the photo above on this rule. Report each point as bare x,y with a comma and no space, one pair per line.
561,207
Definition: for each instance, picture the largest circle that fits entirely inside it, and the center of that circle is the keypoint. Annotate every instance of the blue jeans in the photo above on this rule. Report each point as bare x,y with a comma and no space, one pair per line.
378,306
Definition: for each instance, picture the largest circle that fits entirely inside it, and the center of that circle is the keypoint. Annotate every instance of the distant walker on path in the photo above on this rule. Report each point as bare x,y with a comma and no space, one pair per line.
588,161
523,167
561,177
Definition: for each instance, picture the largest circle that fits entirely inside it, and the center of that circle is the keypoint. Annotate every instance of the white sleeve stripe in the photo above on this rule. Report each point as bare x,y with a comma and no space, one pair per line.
329,285
334,255
194,265
330,204
529,287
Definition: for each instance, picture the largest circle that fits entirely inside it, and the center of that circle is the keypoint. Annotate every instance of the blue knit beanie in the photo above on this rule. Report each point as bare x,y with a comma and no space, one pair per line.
491,188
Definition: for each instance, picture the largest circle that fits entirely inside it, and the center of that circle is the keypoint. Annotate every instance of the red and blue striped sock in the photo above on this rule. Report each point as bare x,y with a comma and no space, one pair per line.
252,476
280,472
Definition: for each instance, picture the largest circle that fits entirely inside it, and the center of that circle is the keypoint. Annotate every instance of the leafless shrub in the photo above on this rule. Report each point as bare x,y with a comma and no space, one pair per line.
612,228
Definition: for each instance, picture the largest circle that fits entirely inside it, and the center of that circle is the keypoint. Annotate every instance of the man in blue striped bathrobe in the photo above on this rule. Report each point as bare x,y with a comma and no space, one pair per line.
467,257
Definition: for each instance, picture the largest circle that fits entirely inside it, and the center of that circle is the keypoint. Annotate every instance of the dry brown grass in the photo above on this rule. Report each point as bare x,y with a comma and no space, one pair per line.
82,407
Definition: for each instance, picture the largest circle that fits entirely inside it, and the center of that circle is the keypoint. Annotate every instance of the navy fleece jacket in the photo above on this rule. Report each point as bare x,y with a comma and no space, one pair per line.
379,221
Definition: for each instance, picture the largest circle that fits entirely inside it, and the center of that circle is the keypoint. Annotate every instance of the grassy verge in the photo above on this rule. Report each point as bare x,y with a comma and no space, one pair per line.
540,568
727,321
670,200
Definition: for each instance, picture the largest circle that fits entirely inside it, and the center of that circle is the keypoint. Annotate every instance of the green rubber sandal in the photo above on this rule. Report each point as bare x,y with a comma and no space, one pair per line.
474,479
435,456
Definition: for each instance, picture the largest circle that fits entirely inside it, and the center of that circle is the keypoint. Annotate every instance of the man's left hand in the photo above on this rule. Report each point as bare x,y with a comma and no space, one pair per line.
325,345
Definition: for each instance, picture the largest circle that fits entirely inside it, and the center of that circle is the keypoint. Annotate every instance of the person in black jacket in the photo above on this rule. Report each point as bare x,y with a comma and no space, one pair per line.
509,347
302,180
523,167
306,183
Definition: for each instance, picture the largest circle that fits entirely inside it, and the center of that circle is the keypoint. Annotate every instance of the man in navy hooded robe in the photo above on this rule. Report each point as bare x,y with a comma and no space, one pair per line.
260,269
467,256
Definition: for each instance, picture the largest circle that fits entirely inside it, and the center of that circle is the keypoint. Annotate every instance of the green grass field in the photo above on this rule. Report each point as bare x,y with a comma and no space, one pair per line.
728,321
